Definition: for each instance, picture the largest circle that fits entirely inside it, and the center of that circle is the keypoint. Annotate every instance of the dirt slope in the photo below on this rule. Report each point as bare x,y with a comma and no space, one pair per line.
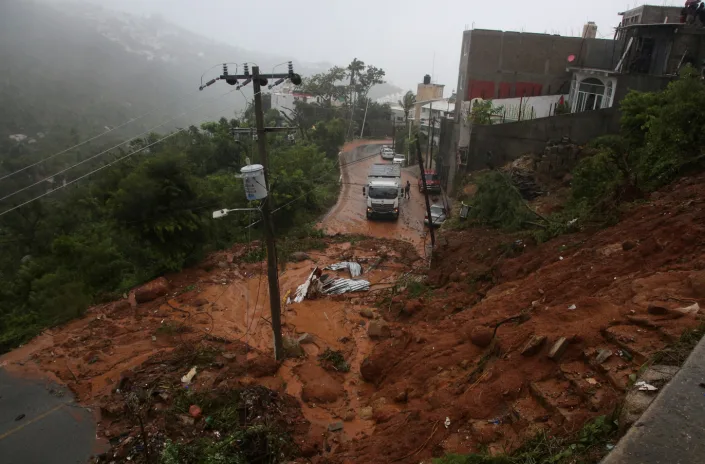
594,290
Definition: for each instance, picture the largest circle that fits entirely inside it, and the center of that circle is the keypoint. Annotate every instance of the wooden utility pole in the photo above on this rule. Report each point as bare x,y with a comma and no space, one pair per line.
258,81
272,267
425,191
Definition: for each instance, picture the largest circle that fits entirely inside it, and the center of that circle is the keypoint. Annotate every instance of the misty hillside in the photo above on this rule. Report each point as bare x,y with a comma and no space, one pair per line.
78,66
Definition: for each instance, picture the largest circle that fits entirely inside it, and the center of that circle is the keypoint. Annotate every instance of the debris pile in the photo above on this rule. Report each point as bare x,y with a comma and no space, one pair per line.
318,283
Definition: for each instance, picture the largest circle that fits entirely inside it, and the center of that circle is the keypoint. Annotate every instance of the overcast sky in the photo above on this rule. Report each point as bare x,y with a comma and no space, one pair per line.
400,36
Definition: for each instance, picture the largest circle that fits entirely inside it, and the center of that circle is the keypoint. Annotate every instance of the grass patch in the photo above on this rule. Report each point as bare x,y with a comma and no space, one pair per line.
677,353
245,420
334,360
417,289
587,446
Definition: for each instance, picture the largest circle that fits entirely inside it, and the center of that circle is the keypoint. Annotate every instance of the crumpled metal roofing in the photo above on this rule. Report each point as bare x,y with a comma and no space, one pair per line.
354,268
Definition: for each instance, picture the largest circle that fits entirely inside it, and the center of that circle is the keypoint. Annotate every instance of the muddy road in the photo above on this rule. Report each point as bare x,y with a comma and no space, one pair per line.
348,215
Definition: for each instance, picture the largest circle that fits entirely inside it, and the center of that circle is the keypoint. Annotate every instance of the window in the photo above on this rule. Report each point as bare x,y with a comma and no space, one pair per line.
591,94
607,101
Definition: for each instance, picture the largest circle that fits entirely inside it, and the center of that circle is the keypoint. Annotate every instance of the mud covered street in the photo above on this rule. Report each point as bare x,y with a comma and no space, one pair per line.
348,215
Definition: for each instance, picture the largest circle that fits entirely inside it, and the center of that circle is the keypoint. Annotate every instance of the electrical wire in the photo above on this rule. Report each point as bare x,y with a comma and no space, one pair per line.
129,121
112,148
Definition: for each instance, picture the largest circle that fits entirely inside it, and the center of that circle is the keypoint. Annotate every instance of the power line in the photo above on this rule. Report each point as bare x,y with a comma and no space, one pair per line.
129,121
89,173
110,149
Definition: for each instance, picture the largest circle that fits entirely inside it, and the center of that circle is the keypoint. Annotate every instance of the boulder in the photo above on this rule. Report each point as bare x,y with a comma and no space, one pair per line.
366,413
378,329
602,356
335,427
299,256
481,336
151,290
292,348
533,345
367,313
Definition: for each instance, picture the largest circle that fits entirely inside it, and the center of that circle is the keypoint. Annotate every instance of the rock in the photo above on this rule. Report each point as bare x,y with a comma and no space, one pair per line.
697,283
628,245
299,256
335,426
370,371
464,364
402,396
481,336
657,310
152,290
533,345
637,401
229,356
602,356
366,413
413,306
305,338
455,277
349,416
222,264
558,349
198,302
378,329
368,313
292,348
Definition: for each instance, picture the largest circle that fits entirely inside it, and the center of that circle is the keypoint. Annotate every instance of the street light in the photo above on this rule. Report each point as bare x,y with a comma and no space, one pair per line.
224,212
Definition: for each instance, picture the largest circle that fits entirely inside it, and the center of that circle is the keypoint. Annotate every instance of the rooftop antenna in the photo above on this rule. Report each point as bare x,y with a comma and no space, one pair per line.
433,68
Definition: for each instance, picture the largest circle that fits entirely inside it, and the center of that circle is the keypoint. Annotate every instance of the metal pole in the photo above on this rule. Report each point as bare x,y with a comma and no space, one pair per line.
272,270
365,118
430,119
425,191
430,152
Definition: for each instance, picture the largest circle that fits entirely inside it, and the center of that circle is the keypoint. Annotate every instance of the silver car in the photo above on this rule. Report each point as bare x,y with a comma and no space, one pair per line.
438,215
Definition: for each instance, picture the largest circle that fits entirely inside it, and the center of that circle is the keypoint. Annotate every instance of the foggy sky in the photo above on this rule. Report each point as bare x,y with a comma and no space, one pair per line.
400,36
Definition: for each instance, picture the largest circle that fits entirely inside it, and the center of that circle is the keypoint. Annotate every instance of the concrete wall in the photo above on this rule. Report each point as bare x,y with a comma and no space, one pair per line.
652,14
508,142
497,64
426,92
531,107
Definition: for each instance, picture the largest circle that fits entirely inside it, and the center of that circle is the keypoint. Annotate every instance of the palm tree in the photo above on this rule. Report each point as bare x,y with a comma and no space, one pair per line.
407,103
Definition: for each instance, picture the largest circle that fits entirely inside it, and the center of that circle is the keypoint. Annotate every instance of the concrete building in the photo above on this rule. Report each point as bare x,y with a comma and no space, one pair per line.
651,14
424,93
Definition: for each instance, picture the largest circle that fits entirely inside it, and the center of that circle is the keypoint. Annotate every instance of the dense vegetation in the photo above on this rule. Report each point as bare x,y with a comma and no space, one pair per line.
144,216
662,137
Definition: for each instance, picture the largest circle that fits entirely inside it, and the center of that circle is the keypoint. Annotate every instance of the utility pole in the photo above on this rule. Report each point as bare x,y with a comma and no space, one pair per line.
272,266
258,81
425,191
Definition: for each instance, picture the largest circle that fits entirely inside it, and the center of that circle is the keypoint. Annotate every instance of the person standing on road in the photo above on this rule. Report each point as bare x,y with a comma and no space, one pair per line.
407,189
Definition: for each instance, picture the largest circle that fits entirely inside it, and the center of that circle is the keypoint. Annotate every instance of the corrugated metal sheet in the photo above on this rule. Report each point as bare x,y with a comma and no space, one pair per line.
354,268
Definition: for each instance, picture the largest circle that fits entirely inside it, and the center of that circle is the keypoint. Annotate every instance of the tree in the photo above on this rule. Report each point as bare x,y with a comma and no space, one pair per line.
326,85
482,112
372,76
408,103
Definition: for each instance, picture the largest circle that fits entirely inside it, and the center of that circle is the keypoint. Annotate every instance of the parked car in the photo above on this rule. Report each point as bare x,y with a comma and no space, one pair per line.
438,215
399,159
433,183
387,153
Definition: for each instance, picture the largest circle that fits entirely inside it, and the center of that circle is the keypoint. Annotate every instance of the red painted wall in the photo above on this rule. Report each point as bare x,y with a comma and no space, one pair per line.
480,89
505,90
527,89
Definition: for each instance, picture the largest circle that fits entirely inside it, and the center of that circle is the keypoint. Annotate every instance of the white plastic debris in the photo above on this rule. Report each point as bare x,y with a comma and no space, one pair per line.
643,386
560,258
302,290
572,307
186,380
447,422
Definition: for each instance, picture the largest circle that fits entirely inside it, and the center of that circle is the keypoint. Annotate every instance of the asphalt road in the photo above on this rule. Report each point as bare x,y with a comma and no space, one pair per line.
53,430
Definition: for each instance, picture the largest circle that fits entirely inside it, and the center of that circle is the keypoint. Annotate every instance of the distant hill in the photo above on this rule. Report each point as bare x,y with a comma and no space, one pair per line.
79,66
